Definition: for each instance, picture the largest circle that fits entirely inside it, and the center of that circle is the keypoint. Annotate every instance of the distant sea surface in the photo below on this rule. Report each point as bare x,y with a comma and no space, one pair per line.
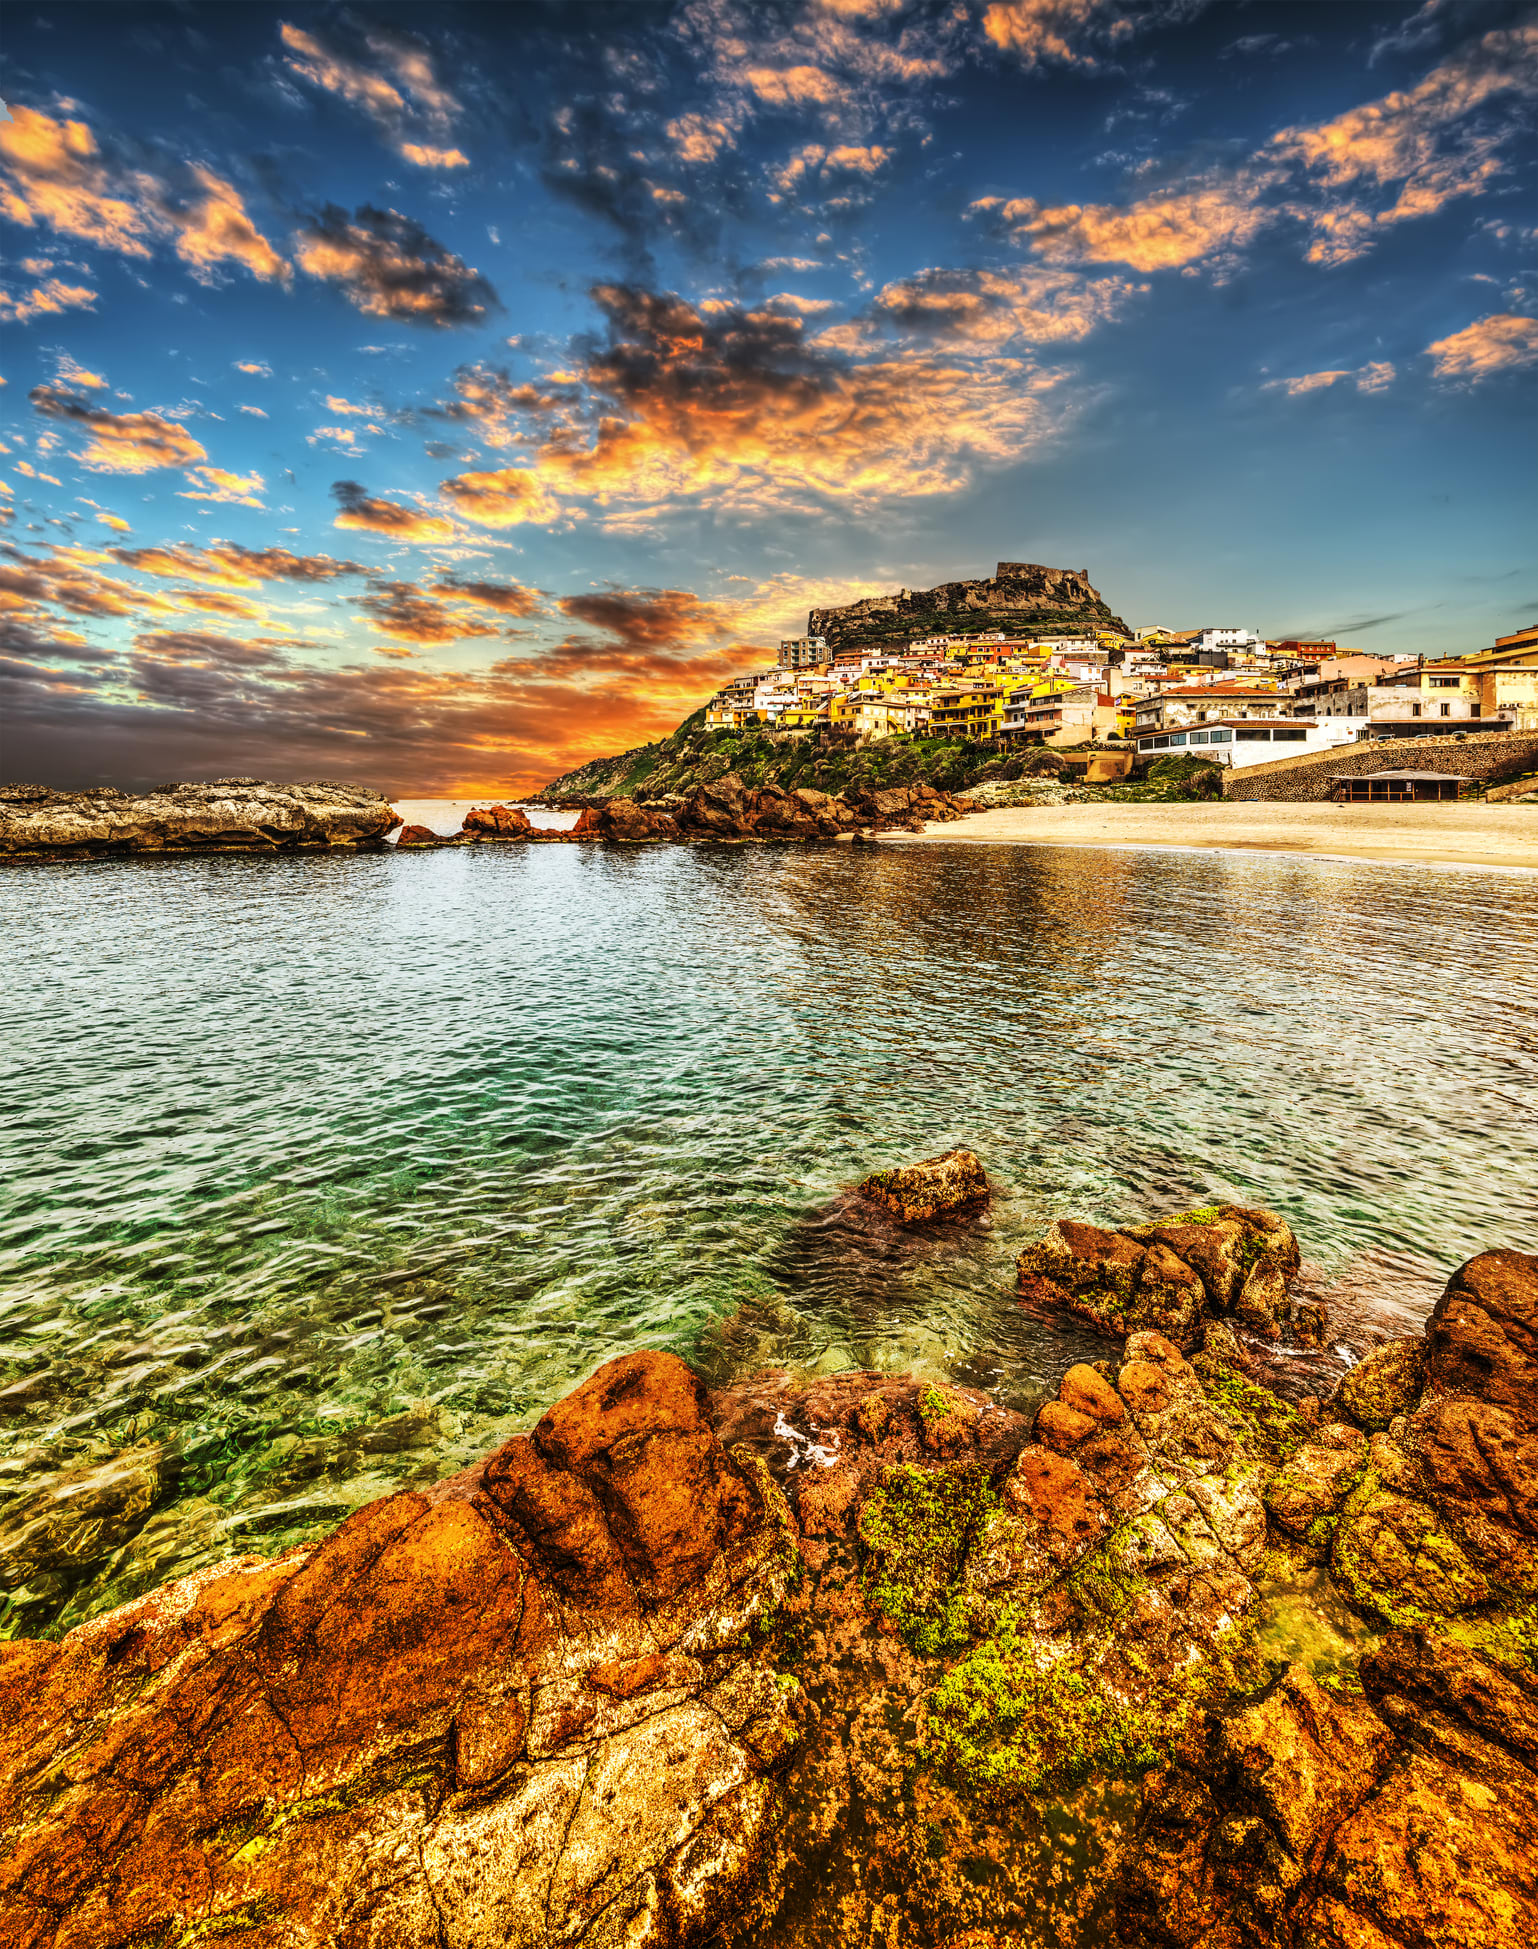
326,1174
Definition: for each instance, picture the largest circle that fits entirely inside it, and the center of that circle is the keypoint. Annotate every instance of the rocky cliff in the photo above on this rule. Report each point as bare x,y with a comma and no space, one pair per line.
804,1662
1021,597
227,814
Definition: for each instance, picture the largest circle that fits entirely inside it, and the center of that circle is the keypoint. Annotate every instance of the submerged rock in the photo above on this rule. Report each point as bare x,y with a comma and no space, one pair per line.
940,1187
226,815
1169,1276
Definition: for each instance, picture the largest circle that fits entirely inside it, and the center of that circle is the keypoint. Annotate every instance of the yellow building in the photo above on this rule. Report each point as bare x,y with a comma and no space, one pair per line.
965,711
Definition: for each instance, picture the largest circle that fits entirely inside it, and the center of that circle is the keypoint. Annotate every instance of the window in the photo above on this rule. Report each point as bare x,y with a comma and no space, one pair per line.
1222,737
1178,738
1289,736
1415,710
1161,744
1447,710
1257,736
1198,737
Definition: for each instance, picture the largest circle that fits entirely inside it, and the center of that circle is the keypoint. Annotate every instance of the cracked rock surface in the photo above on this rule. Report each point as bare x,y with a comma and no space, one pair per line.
521,1708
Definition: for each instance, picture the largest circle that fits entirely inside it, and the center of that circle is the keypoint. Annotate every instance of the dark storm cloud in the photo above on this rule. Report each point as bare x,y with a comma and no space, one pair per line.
388,266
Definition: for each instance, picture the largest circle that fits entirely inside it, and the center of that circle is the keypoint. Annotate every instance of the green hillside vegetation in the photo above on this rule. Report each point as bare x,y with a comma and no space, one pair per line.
678,765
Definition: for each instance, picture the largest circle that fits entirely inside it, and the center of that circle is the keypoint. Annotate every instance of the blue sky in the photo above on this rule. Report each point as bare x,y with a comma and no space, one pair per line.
437,396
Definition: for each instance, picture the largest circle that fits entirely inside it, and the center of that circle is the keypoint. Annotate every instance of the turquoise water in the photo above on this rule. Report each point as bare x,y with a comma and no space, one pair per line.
325,1174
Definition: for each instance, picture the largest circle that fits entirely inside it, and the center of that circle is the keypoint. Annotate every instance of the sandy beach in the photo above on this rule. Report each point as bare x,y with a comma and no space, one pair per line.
1472,834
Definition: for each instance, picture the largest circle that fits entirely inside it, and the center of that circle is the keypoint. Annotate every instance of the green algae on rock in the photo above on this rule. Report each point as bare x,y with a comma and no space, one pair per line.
843,1660
916,1194
1168,1277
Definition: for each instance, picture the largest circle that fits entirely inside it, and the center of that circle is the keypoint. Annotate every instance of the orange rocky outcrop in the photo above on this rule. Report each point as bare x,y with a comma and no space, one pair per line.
1172,1275
497,822
515,1709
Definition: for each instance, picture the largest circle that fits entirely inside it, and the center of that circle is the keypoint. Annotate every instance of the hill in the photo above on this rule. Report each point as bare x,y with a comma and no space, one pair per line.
1022,598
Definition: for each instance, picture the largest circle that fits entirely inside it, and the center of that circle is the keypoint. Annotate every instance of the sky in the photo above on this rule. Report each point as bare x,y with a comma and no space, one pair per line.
435,397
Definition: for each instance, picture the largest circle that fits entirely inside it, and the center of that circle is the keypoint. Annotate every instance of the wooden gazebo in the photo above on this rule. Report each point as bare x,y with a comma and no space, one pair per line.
1393,787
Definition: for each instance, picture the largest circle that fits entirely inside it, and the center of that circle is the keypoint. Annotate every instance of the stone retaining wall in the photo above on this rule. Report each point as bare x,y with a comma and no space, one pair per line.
1310,776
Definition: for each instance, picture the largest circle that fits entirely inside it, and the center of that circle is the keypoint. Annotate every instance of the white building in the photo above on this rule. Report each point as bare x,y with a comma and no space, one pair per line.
1229,639
1248,741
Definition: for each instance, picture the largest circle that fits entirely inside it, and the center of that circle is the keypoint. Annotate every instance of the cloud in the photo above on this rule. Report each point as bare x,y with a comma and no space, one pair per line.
257,368
1075,33
1502,342
216,484
503,497
358,509
1371,378
1405,156
54,172
390,77
990,307
213,228
120,443
651,619
227,563
1419,141
1157,233
256,412
739,408
389,267
402,609
219,602
16,307
70,372
67,578
197,704
426,157
509,597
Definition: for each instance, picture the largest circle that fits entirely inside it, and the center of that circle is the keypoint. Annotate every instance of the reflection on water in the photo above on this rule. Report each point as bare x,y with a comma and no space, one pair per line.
325,1174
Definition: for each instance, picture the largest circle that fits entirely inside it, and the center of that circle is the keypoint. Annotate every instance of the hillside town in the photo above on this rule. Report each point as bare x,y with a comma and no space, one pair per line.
1225,693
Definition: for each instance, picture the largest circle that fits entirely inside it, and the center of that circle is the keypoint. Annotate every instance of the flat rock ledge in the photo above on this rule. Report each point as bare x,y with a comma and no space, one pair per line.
795,1663
224,815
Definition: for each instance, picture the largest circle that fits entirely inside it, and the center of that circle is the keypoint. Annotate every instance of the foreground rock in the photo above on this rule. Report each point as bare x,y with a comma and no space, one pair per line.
1394,1800
940,1187
1172,1275
517,1709
226,815
852,1659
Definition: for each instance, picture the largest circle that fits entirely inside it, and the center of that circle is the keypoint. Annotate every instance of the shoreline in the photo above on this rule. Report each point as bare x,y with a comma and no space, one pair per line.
1491,837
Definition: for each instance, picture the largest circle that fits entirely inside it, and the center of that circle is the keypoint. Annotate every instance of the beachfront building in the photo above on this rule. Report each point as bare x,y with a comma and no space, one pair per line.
1242,741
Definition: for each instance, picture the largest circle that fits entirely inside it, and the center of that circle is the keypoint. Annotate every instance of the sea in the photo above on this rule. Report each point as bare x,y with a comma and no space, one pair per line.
326,1174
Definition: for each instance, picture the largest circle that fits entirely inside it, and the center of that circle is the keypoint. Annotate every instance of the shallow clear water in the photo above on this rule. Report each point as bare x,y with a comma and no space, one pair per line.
327,1173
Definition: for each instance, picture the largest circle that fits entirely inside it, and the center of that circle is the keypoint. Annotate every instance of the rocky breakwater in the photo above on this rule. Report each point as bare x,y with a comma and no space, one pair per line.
730,811
522,1708
224,815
